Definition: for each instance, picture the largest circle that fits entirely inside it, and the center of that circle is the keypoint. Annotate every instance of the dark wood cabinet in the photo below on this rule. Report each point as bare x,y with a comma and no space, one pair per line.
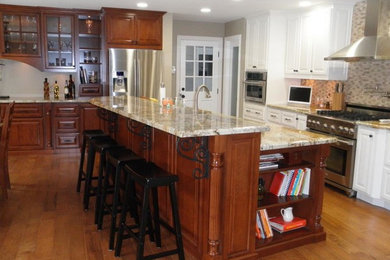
90,55
133,28
59,41
20,34
66,125
27,128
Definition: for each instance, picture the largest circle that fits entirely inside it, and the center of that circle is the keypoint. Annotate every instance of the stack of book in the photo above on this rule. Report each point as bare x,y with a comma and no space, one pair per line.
83,75
281,226
263,227
270,161
291,183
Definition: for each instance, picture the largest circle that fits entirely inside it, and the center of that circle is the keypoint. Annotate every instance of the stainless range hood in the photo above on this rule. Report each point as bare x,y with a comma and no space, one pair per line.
375,45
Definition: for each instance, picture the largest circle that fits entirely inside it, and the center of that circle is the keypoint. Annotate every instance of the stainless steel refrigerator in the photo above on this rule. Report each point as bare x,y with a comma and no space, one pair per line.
135,72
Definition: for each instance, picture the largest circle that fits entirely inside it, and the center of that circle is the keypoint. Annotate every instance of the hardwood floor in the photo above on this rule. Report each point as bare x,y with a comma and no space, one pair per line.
43,219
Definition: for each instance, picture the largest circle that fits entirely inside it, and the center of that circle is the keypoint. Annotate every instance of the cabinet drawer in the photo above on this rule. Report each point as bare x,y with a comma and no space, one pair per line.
28,110
68,125
253,114
289,119
67,140
71,110
274,116
90,90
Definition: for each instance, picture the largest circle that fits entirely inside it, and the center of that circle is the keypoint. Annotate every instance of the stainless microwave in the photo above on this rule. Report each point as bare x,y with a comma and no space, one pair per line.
255,86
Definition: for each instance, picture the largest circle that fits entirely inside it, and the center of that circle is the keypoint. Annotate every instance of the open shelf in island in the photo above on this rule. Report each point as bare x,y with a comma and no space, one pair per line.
271,200
285,167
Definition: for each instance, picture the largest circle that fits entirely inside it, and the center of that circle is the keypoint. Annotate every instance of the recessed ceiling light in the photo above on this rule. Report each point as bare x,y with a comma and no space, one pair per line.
304,3
142,5
205,10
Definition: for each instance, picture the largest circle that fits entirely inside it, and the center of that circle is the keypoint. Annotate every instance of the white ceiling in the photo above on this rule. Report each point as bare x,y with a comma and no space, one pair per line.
221,10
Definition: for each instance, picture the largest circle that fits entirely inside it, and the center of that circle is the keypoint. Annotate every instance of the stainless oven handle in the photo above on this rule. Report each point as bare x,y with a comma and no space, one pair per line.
351,143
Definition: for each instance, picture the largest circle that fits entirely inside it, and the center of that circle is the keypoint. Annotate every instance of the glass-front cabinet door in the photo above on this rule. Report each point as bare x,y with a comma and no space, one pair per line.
59,42
21,34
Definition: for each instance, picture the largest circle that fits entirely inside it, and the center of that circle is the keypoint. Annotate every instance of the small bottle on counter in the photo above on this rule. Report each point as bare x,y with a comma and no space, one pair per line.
56,90
72,88
46,89
162,92
66,90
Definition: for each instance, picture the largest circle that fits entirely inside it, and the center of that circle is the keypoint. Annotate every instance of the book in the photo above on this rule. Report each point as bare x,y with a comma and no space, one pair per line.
277,183
306,182
265,223
299,182
290,188
279,225
259,226
289,177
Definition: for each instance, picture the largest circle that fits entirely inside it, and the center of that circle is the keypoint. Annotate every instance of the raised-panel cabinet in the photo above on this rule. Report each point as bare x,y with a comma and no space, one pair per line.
313,35
257,42
66,125
125,28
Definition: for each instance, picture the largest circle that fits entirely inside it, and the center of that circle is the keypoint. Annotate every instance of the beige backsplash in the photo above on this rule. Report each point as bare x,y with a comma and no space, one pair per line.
368,81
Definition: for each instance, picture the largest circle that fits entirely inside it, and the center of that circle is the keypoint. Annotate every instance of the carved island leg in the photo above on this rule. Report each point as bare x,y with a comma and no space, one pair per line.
215,204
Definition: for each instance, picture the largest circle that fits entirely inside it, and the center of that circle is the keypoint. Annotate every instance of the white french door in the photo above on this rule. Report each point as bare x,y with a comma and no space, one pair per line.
199,62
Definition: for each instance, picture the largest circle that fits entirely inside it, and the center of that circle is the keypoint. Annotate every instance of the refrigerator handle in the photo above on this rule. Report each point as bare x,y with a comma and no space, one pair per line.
138,86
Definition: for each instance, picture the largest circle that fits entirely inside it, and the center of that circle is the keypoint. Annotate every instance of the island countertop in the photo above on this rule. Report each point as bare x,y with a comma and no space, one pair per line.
280,137
179,121
42,100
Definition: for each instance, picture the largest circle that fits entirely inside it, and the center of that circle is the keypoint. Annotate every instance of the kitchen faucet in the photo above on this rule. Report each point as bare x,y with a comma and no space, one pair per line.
208,95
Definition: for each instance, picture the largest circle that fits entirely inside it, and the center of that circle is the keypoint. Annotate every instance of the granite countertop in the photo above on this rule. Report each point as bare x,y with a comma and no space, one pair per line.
297,109
284,137
375,124
42,100
179,121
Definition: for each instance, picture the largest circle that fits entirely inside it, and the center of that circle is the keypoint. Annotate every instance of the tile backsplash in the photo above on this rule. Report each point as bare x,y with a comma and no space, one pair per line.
368,81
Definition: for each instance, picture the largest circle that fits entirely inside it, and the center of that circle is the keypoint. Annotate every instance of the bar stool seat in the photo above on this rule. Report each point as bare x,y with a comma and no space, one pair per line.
150,177
88,135
116,159
97,145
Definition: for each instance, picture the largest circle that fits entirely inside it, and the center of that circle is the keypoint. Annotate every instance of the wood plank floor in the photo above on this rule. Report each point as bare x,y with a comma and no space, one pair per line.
43,219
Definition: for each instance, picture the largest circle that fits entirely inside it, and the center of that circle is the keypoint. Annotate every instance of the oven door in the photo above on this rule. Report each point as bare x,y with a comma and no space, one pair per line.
255,91
340,162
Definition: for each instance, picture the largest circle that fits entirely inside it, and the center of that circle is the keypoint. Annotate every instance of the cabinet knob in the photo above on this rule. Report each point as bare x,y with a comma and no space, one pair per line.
311,70
370,136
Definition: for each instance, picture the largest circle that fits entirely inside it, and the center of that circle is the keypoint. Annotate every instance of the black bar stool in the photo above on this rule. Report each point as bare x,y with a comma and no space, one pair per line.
150,177
116,159
98,145
88,135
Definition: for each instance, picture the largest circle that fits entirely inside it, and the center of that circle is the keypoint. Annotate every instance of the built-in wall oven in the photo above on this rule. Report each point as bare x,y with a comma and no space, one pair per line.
255,86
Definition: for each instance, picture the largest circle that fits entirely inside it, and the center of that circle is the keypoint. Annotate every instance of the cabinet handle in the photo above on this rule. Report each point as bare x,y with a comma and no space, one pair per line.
257,113
295,70
287,119
273,116
247,110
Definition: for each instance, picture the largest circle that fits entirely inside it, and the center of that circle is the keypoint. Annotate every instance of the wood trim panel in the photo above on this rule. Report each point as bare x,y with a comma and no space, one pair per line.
28,110
67,140
26,134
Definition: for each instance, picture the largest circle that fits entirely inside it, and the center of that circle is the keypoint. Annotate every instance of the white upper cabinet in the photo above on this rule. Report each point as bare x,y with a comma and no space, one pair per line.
256,42
314,35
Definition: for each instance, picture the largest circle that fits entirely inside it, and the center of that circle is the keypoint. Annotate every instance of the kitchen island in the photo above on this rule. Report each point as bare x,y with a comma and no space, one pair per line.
217,160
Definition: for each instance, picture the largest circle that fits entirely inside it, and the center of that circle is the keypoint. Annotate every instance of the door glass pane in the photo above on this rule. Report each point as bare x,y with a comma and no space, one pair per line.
199,69
198,81
208,71
209,53
189,52
209,83
189,68
65,24
189,84
11,22
28,23
199,52
52,24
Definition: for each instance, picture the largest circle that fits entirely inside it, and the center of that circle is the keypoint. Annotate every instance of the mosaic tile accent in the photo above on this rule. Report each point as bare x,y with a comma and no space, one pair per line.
368,81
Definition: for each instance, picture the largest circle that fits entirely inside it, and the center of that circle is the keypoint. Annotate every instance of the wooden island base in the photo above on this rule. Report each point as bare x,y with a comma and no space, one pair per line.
217,189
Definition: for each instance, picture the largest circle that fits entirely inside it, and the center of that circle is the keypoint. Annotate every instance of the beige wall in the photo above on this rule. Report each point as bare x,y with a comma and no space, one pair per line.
238,27
190,28
22,80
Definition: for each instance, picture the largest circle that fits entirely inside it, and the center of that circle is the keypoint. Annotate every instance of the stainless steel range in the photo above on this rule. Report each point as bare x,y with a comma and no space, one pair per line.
342,124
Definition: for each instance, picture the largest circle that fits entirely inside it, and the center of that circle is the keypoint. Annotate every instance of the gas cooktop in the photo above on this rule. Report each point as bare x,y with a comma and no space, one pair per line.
351,115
